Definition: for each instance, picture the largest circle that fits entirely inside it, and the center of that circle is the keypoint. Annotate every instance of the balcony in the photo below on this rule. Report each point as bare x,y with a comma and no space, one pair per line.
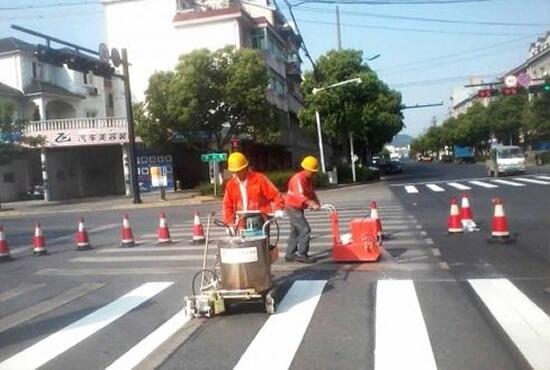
80,131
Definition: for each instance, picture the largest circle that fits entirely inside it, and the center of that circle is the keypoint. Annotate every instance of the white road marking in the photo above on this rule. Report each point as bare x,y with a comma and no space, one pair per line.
411,189
543,177
458,186
197,257
526,324
402,340
32,311
484,184
52,346
147,345
436,252
434,187
278,340
21,289
532,181
507,182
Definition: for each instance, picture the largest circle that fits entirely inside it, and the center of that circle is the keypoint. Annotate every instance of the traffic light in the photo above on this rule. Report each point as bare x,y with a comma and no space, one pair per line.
508,91
75,61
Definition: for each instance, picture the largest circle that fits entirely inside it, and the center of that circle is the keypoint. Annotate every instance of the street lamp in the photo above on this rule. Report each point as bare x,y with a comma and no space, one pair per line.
318,118
373,57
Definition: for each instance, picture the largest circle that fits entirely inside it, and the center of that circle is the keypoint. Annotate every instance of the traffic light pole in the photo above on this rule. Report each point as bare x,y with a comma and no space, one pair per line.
136,199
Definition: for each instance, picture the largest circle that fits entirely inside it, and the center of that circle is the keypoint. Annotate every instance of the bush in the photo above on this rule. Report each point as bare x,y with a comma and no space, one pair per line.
362,174
280,178
206,188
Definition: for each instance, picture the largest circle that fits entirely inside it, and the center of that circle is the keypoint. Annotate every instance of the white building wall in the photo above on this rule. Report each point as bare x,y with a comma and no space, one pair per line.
8,71
154,43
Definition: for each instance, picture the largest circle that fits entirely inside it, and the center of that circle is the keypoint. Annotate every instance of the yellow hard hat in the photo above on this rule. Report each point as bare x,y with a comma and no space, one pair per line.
236,162
310,163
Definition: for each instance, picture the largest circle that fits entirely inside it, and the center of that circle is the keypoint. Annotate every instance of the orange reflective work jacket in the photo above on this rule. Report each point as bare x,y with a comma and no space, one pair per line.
261,195
300,191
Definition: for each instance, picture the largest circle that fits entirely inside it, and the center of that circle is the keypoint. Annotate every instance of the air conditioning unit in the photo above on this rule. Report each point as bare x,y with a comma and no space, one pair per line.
93,91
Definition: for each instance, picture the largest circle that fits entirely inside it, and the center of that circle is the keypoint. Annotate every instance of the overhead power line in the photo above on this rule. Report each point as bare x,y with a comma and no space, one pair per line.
422,30
438,81
54,5
391,2
420,19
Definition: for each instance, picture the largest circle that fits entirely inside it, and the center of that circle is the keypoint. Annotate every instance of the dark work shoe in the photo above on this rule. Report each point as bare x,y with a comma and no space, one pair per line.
304,259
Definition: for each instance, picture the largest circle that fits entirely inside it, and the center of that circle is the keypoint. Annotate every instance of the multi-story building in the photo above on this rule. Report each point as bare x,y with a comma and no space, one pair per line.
176,27
78,115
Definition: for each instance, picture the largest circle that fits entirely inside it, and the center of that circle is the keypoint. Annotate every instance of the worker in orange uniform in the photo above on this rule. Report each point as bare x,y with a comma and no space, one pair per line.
301,196
248,190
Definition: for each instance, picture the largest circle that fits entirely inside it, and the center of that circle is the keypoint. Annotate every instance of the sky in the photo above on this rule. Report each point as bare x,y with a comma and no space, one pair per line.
423,59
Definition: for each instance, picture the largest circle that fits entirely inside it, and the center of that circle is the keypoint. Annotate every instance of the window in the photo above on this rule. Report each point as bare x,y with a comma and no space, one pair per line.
88,78
37,71
184,4
258,40
91,114
110,101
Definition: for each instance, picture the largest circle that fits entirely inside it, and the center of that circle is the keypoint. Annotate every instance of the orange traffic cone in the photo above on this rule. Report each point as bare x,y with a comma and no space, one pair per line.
198,231
126,234
466,213
374,215
82,240
5,254
38,242
454,225
499,225
163,232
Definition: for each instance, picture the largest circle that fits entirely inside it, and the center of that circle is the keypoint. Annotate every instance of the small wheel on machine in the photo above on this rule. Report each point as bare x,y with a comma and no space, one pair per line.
269,303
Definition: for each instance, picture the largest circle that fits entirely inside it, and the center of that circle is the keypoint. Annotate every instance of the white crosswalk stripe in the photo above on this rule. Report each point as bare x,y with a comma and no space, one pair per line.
411,189
483,184
525,323
507,182
277,342
458,186
543,177
435,187
532,181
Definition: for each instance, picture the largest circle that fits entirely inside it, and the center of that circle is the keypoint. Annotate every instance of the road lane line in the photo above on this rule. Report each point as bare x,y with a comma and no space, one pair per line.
197,257
507,182
52,346
47,305
436,252
434,187
402,340
21,289
147,345
543,177
411,189
524,322
532,181
276,343
484,184
458,186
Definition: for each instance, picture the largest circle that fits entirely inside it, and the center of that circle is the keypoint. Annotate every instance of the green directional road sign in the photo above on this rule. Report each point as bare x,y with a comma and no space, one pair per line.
214,157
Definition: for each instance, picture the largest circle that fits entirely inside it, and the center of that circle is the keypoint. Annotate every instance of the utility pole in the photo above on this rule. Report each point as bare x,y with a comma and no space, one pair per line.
136,199
338,31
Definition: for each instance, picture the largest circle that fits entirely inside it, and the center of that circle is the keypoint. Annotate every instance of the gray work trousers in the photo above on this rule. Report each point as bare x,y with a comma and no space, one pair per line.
300,231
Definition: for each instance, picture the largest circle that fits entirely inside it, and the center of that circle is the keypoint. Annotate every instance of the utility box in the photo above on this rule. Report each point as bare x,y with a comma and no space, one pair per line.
333,176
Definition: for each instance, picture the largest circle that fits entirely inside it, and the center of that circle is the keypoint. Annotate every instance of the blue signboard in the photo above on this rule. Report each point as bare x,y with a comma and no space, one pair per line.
144,163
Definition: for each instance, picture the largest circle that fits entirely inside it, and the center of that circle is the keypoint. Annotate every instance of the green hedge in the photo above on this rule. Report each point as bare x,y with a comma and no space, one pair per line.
278,178
362,174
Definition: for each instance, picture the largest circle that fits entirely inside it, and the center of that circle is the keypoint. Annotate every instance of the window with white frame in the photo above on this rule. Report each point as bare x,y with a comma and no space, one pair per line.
88,78
37,71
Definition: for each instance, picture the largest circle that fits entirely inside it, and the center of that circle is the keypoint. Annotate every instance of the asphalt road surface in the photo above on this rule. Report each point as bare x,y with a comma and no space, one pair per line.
432,301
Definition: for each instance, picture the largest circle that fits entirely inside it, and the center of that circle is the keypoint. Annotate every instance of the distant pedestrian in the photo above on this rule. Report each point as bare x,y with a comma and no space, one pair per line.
301,196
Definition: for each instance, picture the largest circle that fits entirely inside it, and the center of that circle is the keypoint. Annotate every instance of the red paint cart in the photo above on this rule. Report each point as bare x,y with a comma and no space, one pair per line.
362,244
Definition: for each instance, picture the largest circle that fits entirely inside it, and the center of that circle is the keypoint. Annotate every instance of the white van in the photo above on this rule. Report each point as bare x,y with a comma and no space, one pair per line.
505,159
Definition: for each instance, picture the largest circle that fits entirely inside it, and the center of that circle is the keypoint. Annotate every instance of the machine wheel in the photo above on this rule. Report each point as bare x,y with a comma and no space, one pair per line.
269,303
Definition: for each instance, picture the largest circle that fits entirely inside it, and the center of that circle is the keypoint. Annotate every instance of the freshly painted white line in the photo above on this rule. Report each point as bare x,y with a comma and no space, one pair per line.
458,186
434,187
429,241
411,189
52,346
278,340
523,321
402,340
484,184
147,345
507,182
543,177
532,181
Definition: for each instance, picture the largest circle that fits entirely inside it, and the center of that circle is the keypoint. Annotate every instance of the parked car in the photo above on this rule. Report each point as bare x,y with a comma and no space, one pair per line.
504,160
389,167
426,158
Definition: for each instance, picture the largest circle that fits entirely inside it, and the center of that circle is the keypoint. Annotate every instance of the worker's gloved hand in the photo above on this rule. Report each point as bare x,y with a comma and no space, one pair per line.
279,213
